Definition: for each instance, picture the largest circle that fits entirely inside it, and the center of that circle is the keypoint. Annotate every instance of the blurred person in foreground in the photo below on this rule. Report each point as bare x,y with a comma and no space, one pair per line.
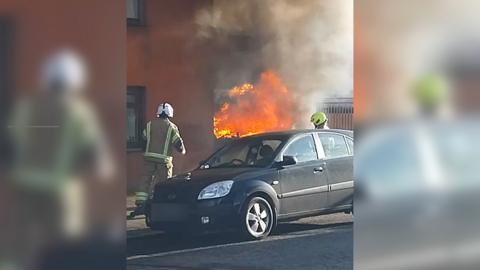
57,147
418,191
162,135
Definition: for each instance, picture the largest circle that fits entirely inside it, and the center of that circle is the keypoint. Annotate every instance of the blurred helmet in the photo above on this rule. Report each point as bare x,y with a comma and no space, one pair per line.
431,90
165,109
318,118
64,71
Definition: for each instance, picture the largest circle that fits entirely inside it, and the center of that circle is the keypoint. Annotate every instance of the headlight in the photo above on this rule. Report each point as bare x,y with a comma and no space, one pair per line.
216,190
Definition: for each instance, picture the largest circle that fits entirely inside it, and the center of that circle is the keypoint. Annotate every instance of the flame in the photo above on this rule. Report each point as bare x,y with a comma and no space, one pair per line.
251,109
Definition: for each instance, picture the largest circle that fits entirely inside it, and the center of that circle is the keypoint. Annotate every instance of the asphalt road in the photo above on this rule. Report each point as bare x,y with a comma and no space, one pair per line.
324,242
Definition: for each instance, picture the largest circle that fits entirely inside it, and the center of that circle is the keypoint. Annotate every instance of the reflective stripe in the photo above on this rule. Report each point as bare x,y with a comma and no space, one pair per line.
141,194
159,156
148,136
167,141
175,136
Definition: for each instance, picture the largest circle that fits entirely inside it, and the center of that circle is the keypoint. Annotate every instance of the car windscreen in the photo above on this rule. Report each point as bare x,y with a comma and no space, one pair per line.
247,152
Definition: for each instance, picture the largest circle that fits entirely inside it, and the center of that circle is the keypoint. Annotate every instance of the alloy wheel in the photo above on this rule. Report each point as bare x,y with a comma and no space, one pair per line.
258,218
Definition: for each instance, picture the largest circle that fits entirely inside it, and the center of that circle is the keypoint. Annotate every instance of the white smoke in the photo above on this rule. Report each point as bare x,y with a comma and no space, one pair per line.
308,42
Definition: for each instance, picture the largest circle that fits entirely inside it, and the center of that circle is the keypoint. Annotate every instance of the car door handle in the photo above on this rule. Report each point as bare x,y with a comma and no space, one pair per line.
318,170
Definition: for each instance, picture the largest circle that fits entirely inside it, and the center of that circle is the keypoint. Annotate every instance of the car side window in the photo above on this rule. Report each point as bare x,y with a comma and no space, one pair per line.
303,149
334,145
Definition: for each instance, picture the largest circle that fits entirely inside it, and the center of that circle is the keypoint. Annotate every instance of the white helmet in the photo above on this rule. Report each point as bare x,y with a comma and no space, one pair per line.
166,109
64,70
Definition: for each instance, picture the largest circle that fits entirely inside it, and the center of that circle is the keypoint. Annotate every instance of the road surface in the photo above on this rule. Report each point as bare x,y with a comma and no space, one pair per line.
324,242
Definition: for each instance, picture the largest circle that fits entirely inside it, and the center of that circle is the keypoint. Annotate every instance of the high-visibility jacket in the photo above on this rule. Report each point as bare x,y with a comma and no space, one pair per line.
162,136
51,139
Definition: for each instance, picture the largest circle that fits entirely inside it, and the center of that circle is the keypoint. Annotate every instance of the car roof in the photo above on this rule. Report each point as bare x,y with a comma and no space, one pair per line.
292,132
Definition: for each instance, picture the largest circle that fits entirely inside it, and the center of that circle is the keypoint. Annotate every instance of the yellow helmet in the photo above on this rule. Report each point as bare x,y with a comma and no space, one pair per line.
318,118
431,90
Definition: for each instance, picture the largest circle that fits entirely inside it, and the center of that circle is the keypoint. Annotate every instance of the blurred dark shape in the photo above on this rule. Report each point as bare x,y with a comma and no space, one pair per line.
96,253
6,44
463,67
417,193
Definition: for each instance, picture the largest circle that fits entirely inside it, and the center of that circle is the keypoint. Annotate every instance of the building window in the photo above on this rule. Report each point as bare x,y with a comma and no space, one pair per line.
135,12
135,116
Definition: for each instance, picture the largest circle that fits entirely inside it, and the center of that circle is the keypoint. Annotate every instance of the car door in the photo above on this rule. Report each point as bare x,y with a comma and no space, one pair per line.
339,168
303,185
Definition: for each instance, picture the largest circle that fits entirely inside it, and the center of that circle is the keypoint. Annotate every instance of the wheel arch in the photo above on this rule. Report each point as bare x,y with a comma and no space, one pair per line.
259,188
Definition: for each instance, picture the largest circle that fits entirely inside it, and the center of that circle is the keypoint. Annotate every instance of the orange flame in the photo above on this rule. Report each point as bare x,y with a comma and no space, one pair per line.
251,109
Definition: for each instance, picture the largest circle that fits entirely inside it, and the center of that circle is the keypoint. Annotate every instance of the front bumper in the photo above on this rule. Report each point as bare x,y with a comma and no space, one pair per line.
199,216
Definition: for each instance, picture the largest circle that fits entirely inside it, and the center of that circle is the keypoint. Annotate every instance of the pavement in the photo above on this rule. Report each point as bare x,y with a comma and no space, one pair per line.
323,242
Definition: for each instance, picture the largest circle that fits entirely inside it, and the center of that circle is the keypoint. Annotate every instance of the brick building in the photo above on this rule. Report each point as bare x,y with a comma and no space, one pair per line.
165,63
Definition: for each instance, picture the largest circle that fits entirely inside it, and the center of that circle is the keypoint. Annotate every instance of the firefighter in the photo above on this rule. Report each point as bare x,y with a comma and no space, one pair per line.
162,136
319,120
56,140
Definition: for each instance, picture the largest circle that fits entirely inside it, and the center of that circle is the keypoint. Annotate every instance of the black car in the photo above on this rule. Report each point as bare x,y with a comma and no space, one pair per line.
254,182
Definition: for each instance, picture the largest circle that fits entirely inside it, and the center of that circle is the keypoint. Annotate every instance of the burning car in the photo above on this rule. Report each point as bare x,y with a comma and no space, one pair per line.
249,109
254,182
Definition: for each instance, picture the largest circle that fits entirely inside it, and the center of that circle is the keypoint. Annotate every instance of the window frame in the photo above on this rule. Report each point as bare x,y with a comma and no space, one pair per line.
139,93
318,134
350,150
140,21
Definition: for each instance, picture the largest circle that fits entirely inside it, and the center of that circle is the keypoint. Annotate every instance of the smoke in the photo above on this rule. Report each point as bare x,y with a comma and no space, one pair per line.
308,42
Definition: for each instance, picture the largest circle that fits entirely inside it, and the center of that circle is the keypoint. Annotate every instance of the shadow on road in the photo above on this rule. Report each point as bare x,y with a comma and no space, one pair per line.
157,243
285,228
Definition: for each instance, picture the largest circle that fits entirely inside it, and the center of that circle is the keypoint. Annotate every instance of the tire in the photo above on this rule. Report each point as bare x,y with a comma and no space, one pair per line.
147,217
257,218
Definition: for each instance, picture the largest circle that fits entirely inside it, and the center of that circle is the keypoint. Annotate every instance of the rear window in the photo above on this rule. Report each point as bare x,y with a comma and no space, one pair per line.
334,145
303,149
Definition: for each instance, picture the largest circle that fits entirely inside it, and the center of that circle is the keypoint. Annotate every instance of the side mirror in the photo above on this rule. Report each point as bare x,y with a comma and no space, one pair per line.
289,160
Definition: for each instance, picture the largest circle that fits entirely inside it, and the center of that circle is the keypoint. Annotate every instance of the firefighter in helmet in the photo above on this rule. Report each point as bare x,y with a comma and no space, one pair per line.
57,144
431,94
162,136
319,120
